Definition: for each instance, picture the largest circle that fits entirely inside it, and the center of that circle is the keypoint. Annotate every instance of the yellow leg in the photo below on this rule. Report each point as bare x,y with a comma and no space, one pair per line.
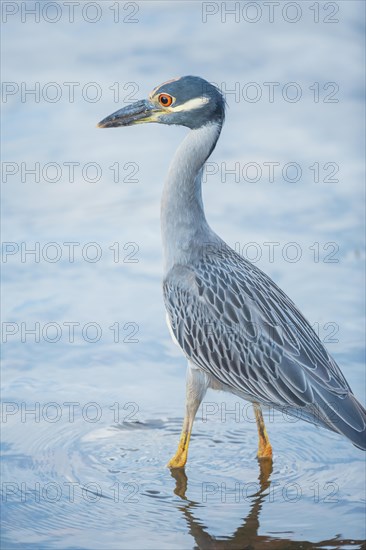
196,388
180,458
264,446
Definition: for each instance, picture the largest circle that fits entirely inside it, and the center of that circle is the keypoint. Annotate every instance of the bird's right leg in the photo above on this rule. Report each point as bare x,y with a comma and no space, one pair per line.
196,386
264,446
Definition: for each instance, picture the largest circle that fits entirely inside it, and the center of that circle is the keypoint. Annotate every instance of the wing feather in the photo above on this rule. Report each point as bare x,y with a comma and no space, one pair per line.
232,320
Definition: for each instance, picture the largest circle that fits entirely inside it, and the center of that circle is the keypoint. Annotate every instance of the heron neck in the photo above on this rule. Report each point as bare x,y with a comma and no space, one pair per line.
183,223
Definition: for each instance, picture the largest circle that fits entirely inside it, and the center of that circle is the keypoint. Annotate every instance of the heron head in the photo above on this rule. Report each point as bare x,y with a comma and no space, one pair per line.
187,101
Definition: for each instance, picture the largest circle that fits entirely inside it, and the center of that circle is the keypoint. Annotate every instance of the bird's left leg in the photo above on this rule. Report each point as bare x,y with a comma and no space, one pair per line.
196,386
264,447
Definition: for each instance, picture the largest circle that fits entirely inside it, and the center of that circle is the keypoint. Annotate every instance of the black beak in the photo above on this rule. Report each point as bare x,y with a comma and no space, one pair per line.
139,112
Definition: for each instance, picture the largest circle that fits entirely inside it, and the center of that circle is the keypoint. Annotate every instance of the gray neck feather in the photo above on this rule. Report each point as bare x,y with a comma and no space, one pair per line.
184,228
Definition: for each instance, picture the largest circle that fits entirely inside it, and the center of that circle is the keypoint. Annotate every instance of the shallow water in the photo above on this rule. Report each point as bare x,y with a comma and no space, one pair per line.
105,485
92,386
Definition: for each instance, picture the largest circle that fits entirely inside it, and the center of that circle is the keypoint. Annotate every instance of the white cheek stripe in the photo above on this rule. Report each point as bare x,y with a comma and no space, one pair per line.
195,103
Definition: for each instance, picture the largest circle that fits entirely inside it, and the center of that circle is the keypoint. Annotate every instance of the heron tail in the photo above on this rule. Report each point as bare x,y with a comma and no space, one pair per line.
345,415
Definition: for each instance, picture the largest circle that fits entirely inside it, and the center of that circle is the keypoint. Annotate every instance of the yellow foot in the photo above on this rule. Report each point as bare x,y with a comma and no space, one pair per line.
180,458
265,451
178,461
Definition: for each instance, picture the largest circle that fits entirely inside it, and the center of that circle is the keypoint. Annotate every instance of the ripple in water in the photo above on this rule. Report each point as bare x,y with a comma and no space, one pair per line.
95,486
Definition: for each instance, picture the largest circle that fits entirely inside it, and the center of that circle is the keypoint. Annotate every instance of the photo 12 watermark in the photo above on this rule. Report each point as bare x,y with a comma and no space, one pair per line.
71,171
69,491
69,411
275,251
272,172
70,11
69,332
69,251
270,12
68,92
290,491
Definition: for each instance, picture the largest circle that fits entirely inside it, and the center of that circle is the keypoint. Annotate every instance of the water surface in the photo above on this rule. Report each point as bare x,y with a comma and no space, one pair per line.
93,388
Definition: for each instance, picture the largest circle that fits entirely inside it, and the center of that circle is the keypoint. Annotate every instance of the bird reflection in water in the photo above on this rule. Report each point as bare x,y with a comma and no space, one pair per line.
246,536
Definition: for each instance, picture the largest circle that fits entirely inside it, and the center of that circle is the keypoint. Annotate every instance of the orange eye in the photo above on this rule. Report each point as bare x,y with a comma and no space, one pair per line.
165,100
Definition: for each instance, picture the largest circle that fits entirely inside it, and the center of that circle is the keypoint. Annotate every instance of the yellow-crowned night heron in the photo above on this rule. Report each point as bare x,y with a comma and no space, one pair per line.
238,330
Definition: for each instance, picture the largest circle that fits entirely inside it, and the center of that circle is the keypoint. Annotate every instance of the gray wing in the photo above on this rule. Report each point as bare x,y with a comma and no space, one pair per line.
231,320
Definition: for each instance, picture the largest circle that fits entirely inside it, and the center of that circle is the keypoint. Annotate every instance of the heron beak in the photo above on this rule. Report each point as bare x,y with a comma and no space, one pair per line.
137,113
